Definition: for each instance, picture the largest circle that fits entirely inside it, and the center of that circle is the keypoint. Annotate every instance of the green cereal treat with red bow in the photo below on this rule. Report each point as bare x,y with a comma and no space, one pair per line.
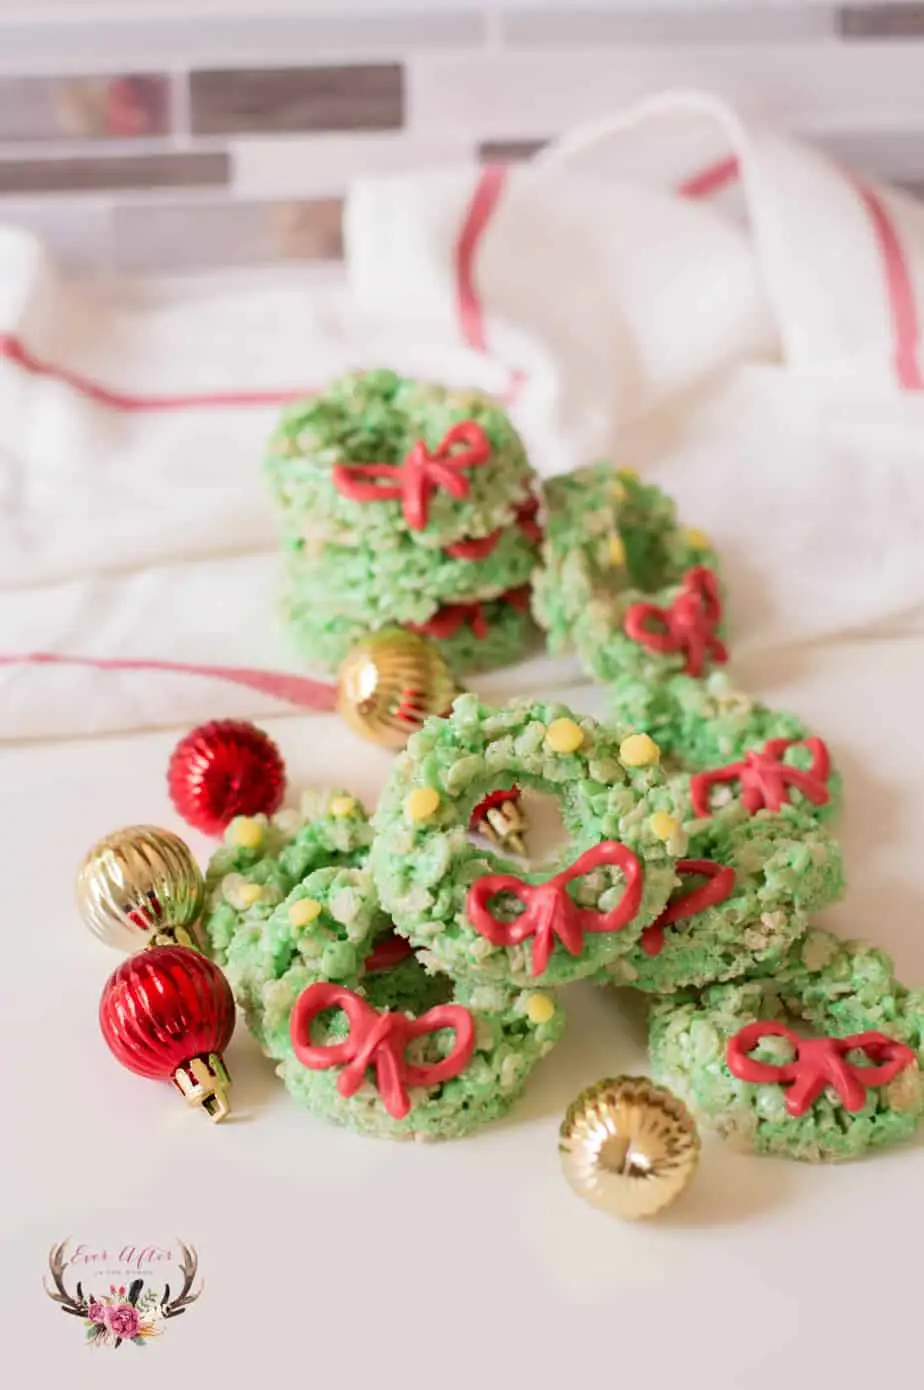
748,887
262,859
457,1059
614,554
470,913
377,454
473,634
733,748
821,1062
398,580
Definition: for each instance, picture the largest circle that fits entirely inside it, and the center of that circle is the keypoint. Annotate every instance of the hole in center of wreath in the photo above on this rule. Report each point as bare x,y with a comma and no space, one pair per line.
526,828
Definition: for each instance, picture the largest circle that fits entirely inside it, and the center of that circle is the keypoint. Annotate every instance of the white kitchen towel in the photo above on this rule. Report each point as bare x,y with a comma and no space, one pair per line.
717,306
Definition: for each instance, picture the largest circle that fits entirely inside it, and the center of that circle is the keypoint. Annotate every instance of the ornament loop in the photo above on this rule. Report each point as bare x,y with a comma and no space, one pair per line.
550,912
379,1039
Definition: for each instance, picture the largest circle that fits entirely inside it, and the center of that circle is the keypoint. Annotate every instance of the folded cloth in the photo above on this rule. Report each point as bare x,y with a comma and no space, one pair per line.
714,305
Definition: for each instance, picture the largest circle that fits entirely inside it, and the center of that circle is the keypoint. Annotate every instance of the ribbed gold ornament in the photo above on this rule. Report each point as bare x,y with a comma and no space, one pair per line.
140,887
390,683
628,1146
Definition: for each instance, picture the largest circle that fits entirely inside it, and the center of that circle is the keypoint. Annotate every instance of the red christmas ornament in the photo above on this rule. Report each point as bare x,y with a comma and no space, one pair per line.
168,1013
225,769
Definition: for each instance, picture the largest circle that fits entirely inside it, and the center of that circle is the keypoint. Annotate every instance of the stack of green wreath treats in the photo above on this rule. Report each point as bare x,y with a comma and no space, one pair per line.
404,502
406,977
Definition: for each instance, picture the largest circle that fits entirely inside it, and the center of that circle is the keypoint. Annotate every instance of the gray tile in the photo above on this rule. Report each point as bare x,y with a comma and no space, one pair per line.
665,23
226,234
208,39
508,151
247,100
118,107
169,170
887,21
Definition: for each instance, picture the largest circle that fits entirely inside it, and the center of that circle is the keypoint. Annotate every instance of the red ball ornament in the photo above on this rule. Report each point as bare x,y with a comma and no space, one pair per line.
168,1013
225,769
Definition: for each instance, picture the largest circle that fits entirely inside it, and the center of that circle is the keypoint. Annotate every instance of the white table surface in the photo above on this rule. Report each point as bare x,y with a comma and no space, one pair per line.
347,1261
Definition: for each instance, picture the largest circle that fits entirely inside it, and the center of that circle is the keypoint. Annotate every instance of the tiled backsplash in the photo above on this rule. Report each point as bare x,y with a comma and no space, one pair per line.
217,134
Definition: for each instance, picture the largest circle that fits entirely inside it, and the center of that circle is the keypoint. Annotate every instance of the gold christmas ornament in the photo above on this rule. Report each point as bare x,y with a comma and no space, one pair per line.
140,887
390,683
628,1146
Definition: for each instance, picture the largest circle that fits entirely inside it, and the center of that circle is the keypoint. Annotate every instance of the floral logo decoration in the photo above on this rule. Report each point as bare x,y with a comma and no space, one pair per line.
133,1312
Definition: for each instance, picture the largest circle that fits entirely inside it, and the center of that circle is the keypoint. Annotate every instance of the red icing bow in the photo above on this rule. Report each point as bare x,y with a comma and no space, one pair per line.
688,626
419,475
819,1062
550,911
764,777
452,617
379,1039
719,885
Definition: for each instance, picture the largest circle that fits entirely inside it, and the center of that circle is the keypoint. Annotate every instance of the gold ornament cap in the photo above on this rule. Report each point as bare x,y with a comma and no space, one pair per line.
628,1146
141,886
390,683
204,1081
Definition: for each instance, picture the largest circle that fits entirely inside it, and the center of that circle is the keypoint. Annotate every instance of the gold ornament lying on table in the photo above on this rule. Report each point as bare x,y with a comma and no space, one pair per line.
628,1146
390,683
139,887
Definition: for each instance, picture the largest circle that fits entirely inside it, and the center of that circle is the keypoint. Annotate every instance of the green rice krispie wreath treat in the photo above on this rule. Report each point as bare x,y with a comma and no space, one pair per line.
399,580
622,582
468,912
262,859
472,636
848,1080
735,748
748,887
356,1058
377,454
325,929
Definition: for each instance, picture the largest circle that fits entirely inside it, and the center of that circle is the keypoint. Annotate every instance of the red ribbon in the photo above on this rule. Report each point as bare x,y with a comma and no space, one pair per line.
380,1039
688,626
478,548
419,475
526,515
764,777
819,1062
719,885
452,617
550,912
388,953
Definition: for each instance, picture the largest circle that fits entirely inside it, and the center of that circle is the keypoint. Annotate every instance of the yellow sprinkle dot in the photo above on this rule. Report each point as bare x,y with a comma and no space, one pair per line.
540,1008
617,550
343,806
663,825
249,893
698,539
304,911
248,832
564,736
421,803
639,750
628,475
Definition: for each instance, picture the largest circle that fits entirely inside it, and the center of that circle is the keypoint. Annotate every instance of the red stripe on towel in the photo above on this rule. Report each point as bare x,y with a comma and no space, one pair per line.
13,350
294,690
